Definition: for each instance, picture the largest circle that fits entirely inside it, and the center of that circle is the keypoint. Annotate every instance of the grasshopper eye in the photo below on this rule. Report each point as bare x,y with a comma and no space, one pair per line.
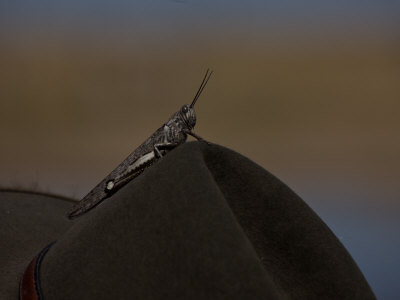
184,109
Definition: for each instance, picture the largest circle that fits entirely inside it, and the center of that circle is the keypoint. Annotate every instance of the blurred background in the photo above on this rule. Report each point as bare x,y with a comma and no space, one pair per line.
309,90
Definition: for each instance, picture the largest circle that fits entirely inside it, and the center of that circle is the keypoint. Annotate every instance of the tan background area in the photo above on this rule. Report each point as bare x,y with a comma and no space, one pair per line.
318,108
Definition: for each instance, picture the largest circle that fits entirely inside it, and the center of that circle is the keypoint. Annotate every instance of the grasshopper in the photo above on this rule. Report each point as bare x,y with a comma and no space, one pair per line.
173,133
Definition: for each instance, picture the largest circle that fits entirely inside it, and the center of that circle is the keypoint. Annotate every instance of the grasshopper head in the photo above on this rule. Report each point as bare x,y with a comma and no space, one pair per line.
188,115
187,112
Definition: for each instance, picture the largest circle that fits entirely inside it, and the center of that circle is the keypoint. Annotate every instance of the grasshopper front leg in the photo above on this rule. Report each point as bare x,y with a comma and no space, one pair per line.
199,138
163,146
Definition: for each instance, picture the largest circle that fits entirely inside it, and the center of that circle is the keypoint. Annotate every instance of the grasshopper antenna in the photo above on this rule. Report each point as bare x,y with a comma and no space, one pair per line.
201,88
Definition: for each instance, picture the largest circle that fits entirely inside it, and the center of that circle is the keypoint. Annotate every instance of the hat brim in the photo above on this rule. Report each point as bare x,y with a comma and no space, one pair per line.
29,220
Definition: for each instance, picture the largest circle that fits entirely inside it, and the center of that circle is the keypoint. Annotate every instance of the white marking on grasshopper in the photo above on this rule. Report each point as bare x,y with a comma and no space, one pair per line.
140,161
133,167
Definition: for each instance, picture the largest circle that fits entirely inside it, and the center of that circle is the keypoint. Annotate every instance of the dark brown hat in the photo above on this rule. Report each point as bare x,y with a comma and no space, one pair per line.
202,223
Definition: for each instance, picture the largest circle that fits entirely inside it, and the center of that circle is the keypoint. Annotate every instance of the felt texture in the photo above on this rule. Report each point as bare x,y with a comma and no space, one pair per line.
202,223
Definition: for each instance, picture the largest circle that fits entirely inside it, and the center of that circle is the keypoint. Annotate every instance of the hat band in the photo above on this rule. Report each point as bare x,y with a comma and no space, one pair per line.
29,288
